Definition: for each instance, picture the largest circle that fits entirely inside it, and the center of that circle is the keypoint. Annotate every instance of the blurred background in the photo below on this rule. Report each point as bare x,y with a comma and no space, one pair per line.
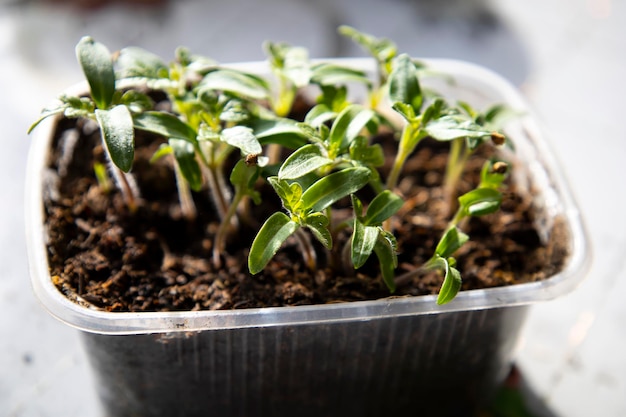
568,57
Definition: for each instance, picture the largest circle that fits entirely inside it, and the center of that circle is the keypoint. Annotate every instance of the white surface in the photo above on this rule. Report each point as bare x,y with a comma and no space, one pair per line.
568,57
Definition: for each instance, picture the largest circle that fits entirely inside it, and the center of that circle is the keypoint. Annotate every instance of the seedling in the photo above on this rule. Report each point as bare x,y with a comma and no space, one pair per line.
317,166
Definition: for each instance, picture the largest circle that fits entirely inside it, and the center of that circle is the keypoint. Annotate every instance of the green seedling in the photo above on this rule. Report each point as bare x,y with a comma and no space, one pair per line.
220,124
108,107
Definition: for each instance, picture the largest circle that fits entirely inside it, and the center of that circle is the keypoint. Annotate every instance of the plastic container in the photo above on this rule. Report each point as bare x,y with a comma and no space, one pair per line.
404,356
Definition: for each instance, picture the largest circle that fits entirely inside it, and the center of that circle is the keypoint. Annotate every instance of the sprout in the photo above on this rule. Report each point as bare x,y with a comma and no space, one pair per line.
222,121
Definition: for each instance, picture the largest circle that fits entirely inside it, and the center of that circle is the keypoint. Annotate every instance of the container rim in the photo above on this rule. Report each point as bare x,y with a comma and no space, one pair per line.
124,323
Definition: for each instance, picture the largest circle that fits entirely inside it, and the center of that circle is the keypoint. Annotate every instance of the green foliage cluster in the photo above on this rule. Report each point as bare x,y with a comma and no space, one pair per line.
217,111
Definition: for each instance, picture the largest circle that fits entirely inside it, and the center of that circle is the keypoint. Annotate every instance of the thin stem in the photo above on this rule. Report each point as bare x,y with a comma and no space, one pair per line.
456,163
187,205
125,184
215,191
308,252
401,156
219,243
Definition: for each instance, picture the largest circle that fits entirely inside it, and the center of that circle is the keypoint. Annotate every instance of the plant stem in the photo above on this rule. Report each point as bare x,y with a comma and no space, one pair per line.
126,184
220,237
217,194
398,163
308,252
456,163
187,205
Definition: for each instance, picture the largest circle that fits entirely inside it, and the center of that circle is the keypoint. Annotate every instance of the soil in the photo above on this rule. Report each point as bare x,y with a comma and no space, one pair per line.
104,256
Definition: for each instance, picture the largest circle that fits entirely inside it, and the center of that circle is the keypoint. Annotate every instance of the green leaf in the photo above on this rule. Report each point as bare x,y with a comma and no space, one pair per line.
274,232
290,194
334,97
97,65
369,155
284,132
385,250
137,62
319,115
235,82
451,281
242,138
453,127
405,110
480,201
243,176
334,187
381,49
166,125
118,134
433,111
163,150
318,225
357,206
136,101
45,114
301,162
364,239
491,179
296,66
332,74
348,125
185,155
404,85
450,242
383,206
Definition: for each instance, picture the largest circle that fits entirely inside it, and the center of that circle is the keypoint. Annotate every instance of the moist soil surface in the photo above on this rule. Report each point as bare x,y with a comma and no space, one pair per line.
105,256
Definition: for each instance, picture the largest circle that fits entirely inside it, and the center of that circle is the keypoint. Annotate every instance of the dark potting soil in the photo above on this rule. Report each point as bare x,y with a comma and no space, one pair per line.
103,255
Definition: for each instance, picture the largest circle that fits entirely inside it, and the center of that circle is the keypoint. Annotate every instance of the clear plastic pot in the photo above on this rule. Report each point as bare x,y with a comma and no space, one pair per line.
402,356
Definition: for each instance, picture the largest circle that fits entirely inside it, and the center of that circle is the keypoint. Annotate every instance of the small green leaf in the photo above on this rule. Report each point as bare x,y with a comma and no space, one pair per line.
163,150
166,125
405,110
301,162
290,194
433,111
357,206
137,101
97,65
385,250
454,127
334,187
490,178
235,82
242,138
404,85
185,155
284,132
347,126
364,239
118,134
480,201
137,62
45,114
318,223
319,115
450,242
332,74
451,281
381,49
274,232
296,66
368,155
383,206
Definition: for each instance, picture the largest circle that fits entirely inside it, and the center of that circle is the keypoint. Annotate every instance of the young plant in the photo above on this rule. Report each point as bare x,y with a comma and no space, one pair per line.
323,164
108,107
